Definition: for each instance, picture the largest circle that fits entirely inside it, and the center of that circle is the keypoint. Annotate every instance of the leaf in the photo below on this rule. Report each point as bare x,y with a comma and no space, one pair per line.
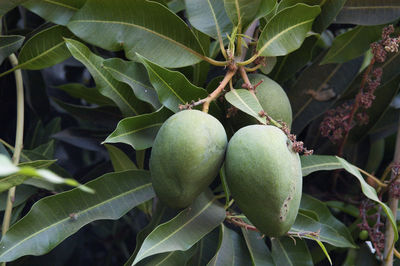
206,249
326,80
323,248
66,213
286,31
135,76
324,216
173,258
288,3
139,131
183,231
90,95
59,11
286,252
241,254
225,253
120,93
369,12
209,17
370,193
329,11
9,44
313,163
386,125
23,193
259,252
352,44
245,101
137,26
7,5
172,87
45,49
248,10
119,159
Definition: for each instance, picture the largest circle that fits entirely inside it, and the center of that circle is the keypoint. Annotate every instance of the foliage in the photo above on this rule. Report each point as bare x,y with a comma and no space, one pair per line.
100,78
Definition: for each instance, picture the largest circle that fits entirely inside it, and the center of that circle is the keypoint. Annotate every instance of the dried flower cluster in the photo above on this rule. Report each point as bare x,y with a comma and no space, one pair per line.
339,121
394,187
375,234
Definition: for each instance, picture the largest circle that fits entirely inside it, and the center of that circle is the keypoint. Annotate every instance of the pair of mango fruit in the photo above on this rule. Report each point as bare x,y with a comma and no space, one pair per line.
263,173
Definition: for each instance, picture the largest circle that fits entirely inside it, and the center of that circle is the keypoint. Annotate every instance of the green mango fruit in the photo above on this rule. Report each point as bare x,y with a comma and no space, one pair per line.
272,98
186,156
264,176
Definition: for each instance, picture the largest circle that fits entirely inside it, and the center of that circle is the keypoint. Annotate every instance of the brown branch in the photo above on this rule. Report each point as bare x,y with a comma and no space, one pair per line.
239,222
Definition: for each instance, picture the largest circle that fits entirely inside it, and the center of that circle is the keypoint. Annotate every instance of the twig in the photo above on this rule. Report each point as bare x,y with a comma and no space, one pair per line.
239,222
393,205
18,139
377,181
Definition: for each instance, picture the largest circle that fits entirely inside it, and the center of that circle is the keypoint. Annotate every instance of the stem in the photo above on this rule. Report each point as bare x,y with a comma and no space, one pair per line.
219,89
18,139
393,205
377,181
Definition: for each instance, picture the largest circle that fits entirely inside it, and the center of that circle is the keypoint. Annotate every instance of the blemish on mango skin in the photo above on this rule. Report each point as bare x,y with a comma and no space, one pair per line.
285,206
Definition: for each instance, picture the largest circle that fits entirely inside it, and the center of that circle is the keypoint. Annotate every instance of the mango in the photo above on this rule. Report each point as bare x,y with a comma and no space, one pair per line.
272,98
186,156
264,176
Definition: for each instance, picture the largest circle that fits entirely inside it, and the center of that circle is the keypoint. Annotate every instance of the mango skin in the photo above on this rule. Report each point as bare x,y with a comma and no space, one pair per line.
186,157
272,98
264,177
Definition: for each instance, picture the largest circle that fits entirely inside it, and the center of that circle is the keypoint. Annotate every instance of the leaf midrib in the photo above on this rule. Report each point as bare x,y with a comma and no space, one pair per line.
136,130
78,213
245,104
10,44
62,4
321,164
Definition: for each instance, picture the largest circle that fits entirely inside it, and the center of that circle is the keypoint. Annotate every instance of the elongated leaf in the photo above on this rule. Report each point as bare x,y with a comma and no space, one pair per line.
9,44
286,252
241,254
246,10
313,163
120,93
7,5
286,31
137,26
22,194
57,11
119,159
246,102
139,131
352,44
209,17
369,12
135,76
317,89
259,252
225,253
329,11
183,231
54,218
12,176
288,3
173,258
370,192
91,95
172,87
324,216
45,49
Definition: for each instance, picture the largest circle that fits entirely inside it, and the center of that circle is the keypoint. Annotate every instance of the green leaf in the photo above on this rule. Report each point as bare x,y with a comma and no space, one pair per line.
209,17
352,44
59,11
323,248
172,87
137,26
91,95
246,10
259,252
66,213
313,163
45,49
183,231
225,253
368,12
23,193
241,254
247,102
135,76
287,252
329,11
370,193
7,5
119,159
9,44
288,3
119,92
326,81
324,216
139,131
173,258
286,31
